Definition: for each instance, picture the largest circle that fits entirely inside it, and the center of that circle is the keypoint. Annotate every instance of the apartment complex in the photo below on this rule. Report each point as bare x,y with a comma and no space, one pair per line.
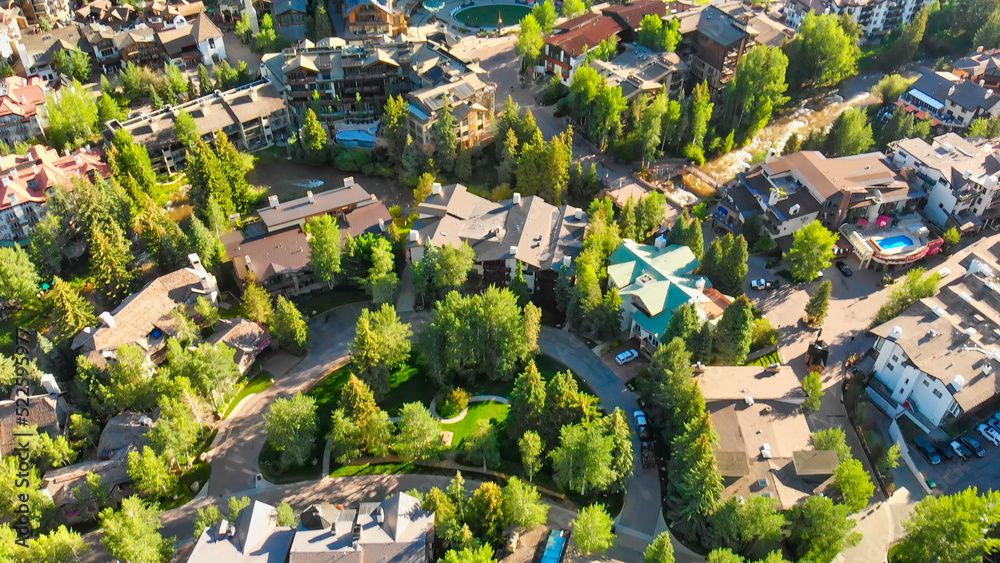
543,237
951,102
366,19
567,48
352,82
959,175
26,182
793,190
290,18
22,109
717,36
254,117
937,361
874,16
638,71
36,51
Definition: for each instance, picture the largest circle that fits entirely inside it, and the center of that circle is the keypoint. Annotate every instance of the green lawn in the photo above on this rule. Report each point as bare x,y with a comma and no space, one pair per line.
407,385
764,361
318,302
374,469
255,385
496,412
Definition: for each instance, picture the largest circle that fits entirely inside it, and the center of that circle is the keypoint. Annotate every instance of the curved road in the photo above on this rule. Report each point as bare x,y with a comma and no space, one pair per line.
241,438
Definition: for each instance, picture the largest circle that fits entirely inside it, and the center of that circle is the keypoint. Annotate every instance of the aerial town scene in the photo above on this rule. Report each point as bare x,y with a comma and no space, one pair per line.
471,281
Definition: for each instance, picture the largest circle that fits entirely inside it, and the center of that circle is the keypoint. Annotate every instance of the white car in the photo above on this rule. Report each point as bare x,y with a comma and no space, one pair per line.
989,433
627,356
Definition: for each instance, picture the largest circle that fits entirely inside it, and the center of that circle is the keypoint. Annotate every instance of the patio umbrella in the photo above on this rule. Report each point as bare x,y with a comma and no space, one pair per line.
883,221
863,222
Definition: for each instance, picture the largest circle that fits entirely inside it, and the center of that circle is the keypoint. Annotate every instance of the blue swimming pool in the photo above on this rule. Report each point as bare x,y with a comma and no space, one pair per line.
554,548
898,241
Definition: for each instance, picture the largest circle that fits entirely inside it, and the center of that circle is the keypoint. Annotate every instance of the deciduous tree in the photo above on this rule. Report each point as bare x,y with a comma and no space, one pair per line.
381,344
813,386
821,529
527,402
72,115
592,529
530,41
952,528
394,119
811,252
151,473
660,551
746,526
289,327
854,484
819,304
522,505
257,304
132,533
324,247
419,433
583,461
823,53
756,90
530,446
19,279
290,425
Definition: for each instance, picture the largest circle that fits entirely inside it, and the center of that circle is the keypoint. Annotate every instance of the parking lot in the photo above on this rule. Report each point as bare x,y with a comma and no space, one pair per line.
956,475
629,371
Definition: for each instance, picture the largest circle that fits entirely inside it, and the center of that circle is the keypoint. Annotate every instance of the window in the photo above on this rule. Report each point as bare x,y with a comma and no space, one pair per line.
879,343
890,367
895,358
937,393
905,381
926,383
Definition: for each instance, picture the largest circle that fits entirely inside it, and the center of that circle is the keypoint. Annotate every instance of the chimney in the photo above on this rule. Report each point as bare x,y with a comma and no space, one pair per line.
195,262
414,235
76,160
951,90
254,96
309,195
435,189
381,224
516,200
50,384
989,93
513,251
24,101
205,108
660,243
348,181
579,215
272,201
982,82
774,196
700,285
107,320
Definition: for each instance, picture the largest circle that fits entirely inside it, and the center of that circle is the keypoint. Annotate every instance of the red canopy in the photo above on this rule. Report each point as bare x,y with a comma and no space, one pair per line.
863,222
883,221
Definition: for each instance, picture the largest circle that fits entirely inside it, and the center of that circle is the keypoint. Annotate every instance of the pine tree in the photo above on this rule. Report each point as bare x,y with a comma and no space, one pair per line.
394,118
70,311
290,327
519,286
627,220
314,137
257,304
110,257
444,135
527,402
412,162
733,335
819,304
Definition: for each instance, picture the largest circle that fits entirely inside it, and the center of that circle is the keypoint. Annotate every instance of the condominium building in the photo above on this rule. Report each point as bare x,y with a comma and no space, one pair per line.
26,182
22,109
372,18
874,16
254,117
36,51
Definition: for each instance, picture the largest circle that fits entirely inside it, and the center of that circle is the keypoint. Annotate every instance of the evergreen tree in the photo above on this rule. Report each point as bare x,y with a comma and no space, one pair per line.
527,402
733,335
444,135
686,231
19,280
627,221
412,162
70,311
592,529
660,551
110,258
382,343
695,484
314,137
394,119
684,324
289,327
519,286
819,304
850,134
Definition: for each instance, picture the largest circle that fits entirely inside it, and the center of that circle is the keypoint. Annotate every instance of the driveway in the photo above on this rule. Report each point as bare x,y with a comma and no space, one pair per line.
640,519
241,438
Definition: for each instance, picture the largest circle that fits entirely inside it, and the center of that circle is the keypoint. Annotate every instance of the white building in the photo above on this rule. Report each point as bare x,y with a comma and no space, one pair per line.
959,176
875,16
938,360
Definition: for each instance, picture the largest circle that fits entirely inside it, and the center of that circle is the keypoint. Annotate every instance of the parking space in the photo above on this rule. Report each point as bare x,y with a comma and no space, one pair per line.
630,370
951,476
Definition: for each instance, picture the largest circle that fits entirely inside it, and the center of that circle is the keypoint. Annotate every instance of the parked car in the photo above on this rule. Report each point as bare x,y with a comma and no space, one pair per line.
764,284
627,356
960,450
973,445
943,448
994,421
647,454
989,433
640,424
844,269
926,448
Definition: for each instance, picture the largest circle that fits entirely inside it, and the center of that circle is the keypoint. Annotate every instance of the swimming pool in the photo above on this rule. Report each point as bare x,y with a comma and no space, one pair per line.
554,547
894,242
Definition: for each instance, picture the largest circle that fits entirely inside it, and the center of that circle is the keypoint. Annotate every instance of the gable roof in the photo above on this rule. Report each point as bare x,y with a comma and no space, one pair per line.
330,201
965,94
831,176
256,537
273,254
240,334
28,177
631,260
43,414
43,46
126,429
581,37
22,96
191,34
59,483
145,311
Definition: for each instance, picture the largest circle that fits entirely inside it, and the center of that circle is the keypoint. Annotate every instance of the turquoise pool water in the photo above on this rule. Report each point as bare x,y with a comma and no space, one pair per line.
898,241
553,549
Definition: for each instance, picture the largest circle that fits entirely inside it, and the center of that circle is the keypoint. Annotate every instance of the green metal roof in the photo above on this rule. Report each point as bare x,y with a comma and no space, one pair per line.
631,260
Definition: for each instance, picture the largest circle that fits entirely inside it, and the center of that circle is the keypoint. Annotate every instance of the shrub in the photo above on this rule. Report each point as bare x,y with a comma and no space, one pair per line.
455,401
763,334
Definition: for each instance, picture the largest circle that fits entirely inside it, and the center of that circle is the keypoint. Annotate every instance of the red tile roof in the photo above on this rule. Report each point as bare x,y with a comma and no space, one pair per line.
47,169
633,13
21,96
586,36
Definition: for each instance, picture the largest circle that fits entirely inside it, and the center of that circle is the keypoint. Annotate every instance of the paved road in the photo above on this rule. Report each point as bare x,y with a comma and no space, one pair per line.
640,519
239,442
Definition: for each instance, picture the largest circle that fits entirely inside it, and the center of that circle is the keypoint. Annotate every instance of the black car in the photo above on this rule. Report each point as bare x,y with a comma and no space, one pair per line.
947,454
974,445
844,269
924,446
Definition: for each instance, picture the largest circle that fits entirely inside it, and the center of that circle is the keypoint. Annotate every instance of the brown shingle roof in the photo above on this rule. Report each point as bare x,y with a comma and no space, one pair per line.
42,413
586,36
829,176
365,219
280,252
324,202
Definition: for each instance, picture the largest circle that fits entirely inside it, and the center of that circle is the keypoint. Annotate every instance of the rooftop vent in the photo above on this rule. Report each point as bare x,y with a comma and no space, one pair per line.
938,311
348,181
896,333
971,332
958,382
107,319
272,201
579,215
414,235
749,400
435,189
513,251
932,333
309,194
965,297
516,200
794,210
